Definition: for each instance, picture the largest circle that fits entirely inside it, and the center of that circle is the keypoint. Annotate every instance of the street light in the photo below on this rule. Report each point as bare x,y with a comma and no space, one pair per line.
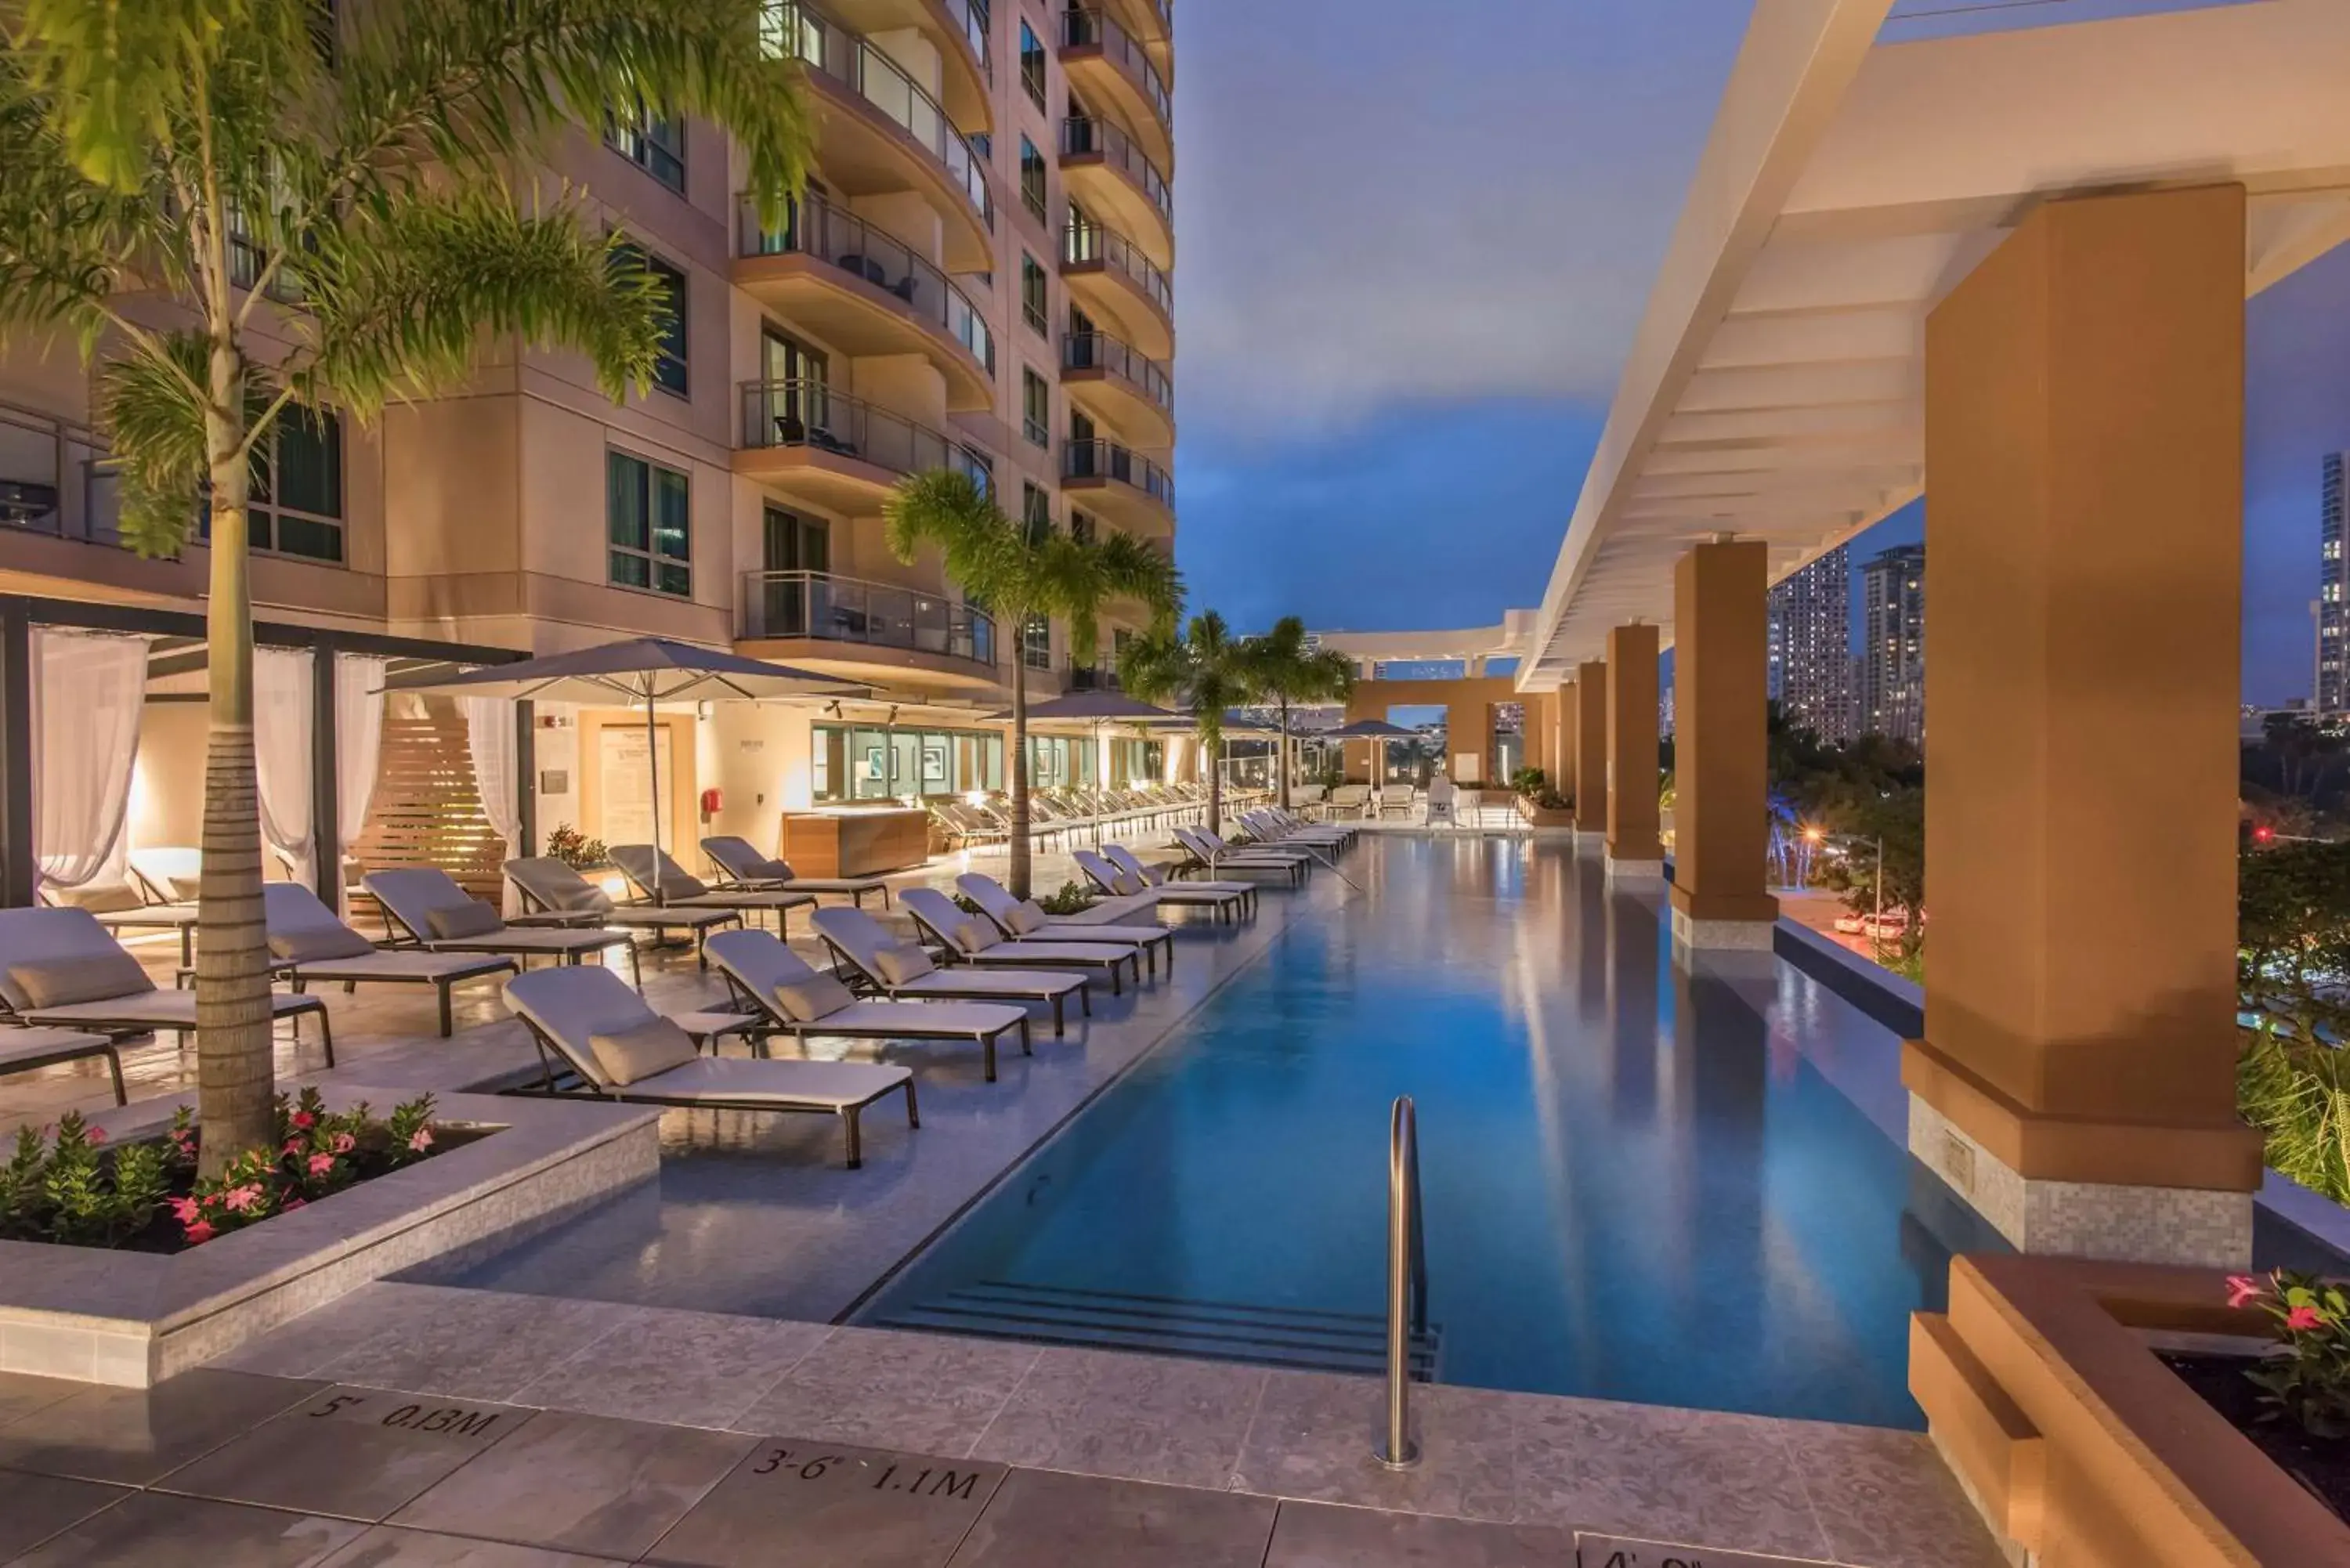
1818,835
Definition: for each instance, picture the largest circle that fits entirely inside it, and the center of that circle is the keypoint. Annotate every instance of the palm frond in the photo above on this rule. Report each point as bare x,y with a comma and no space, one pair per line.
62,239
155,425
978,545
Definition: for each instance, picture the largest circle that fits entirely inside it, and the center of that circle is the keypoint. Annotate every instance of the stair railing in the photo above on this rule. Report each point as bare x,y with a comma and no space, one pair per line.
1407,1282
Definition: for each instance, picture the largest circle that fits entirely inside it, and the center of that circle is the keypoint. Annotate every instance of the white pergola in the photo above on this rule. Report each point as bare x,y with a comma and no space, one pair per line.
1774,388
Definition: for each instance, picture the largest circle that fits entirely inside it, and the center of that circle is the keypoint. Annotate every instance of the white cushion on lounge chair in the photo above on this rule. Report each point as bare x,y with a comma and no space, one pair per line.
302,930
402,964
743,1080
1025,918
83,977
817,997
158,1009
47,937
920,1019
1022,983
643,1050
472,919
171,872
902,963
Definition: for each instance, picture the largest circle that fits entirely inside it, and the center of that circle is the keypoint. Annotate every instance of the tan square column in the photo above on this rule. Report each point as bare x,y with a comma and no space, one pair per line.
1589,743
2085,397
1634,851
1720,739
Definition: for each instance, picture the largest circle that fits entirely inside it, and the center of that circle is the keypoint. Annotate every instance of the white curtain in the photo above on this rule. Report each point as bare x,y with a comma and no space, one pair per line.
359,737
490,737
281,753
88,689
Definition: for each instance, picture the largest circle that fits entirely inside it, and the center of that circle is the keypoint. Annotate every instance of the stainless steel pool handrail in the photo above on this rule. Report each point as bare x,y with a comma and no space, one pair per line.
1407,1281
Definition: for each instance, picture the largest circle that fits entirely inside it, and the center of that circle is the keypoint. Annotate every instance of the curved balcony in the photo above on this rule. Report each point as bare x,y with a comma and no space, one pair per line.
1121,485
958,29
879,131
1110,69
1117,283
1122,389
842,453
864,293
847,625
1153,22
1107,174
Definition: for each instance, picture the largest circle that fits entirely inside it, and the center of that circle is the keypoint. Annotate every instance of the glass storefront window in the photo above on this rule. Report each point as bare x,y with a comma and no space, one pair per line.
868,761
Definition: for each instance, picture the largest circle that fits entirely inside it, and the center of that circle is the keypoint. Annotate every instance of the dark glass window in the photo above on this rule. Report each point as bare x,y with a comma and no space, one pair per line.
295,507
1036,644
653,144
649,523
1031,64
1031,178
1031,295
1036,408
671,370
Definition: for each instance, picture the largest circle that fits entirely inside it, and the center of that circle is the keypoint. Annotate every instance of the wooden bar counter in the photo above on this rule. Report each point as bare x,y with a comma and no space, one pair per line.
855,843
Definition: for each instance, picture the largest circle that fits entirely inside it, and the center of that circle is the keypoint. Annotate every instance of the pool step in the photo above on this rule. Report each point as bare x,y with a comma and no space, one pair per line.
1164,1325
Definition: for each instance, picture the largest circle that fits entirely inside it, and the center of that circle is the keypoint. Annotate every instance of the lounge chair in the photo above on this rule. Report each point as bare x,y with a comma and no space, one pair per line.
59,969
128,907
973,939
1211,854
168,874
1026,917
553,888
441,917
624,1051
1274,825
794,998
1226,900
309,945
1159,879
24,1050
676,888
903,971
739,866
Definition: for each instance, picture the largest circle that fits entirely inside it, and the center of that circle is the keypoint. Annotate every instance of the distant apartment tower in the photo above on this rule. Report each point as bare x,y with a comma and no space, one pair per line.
2333,690
1893,644
1811,646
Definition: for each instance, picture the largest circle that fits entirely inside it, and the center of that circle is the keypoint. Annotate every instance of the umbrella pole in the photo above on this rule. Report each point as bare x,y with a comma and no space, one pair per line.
652,766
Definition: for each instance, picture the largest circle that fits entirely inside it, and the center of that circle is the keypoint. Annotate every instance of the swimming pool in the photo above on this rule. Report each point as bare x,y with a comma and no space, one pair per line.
1639,1185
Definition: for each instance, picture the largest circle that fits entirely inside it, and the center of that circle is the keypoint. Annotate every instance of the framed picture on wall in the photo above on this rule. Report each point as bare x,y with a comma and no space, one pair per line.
869,766
934,763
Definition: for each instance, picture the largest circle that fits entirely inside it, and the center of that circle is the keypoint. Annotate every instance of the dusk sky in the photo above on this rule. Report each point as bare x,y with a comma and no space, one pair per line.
1416,242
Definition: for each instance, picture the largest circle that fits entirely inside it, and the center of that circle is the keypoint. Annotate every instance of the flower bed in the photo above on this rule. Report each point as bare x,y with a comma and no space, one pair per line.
2293,1399
65,1186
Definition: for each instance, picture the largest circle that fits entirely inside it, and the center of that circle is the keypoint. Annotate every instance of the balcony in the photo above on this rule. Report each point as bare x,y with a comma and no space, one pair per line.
1110,67
1114,282
957,29
879,131
864,293
829,450
848,625
1119,386
1120,486
1107,174
1093,677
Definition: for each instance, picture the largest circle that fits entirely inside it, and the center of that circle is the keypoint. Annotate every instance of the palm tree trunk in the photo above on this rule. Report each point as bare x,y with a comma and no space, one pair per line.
1213,750
1016,850
1284,753
234,1073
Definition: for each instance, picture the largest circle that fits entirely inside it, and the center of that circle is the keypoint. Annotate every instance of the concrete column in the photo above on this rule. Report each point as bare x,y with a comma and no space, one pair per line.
1720,748
1634,851
2084,397
1590,743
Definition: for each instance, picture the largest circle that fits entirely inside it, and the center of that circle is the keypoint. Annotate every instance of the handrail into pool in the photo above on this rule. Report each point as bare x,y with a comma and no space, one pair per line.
1407,1281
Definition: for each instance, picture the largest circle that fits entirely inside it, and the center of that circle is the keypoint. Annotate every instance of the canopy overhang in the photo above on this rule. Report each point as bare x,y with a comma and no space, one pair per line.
1774,389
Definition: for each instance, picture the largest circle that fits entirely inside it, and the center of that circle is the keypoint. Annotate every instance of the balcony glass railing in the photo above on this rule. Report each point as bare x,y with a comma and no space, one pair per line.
1100,351
1082,136
971,15
1108,460
798,31
1089,244
819,605
1080,28
811,414
819,229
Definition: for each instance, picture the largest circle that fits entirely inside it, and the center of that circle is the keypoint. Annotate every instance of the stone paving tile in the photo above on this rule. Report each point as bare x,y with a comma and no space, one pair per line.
1323,1535
581,1484
931,1393
20,1394
477,1344
839,1506
1042,1519
304,1346
153,1527
1886,1500
134,1436
349,1452
1143,1417
386,1546
1311,1439
33,1508
688,1368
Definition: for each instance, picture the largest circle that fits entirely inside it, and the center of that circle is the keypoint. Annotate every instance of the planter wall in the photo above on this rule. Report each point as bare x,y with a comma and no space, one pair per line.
2040,1389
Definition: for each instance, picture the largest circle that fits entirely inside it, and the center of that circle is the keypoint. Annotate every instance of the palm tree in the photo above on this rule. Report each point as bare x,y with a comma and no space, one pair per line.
1020,572
322,207
1287,668
1205,666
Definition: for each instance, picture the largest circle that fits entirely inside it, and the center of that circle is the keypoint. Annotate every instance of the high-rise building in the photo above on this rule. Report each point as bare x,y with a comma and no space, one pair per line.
1893,644
1811,646
2332,686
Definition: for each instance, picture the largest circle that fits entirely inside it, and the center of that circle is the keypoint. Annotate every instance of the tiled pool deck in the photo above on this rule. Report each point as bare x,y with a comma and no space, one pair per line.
637,1430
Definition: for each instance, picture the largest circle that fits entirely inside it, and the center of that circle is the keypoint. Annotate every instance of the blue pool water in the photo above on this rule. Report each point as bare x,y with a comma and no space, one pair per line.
1639,1185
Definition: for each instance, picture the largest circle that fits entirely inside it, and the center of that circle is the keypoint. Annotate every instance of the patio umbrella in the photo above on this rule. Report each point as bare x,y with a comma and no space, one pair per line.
647,669
1378,730
1100,709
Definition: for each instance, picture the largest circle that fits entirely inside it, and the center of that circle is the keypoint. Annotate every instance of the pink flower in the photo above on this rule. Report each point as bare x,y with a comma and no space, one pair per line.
321,1163
97,1134
2303,1318
240,1199
199,1232
293,1145
305,1119
291,1204
2243,1288
422,1140
185,1210
345,1143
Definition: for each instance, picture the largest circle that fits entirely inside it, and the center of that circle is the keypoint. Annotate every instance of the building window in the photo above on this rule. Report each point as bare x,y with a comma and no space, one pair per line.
669,370
647,517
1036,643
1036,408
982,143
295,506
653,144
1036,507
878,763
1031,64
1083,528
1031,295
1031,178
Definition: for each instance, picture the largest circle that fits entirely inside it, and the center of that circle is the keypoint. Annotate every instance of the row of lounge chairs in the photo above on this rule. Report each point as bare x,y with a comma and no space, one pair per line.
1054,815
